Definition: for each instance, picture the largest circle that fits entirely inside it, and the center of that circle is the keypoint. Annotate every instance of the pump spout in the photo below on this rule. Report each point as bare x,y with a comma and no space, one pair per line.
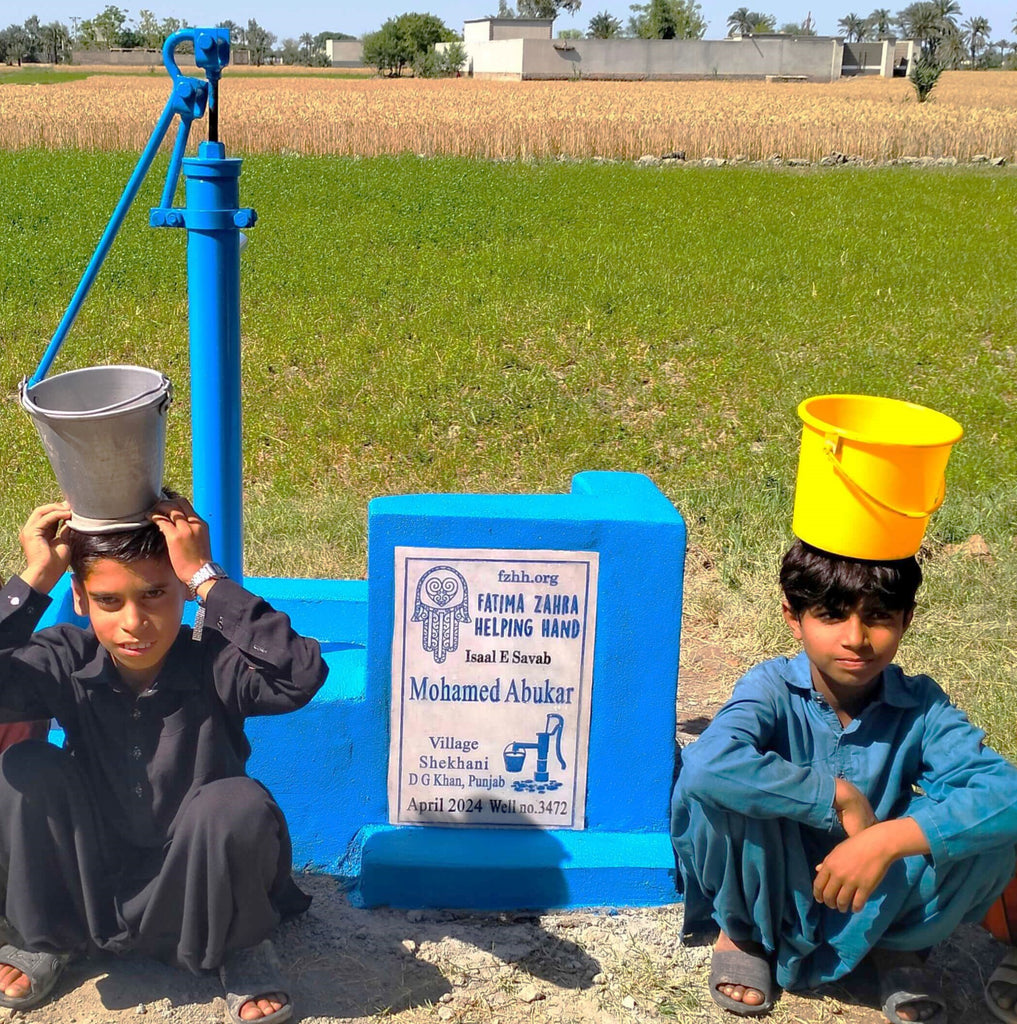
552,727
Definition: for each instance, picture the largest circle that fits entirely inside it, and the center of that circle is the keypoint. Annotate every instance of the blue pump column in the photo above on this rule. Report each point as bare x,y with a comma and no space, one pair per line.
213,220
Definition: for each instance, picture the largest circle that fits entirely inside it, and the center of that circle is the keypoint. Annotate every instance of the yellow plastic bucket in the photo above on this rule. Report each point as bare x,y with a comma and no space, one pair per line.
870,474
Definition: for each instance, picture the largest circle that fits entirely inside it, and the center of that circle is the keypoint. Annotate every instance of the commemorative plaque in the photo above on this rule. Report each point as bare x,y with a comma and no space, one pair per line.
492,673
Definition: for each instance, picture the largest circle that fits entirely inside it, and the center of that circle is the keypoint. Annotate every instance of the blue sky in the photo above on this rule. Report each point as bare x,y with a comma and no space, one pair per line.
295,17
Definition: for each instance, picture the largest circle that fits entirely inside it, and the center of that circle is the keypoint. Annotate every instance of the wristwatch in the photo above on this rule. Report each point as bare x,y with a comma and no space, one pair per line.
209,571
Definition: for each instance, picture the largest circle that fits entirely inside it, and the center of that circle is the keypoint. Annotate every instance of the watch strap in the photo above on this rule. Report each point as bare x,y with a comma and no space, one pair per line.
209,571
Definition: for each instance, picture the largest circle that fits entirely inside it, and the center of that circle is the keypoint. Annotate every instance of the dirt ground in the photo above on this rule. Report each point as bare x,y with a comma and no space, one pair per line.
607,966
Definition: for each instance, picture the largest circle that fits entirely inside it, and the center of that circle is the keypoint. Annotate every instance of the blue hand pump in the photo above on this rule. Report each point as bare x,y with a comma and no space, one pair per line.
213,219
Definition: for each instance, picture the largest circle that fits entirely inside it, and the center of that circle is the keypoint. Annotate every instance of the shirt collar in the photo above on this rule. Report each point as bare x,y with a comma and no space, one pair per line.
895,690
178,672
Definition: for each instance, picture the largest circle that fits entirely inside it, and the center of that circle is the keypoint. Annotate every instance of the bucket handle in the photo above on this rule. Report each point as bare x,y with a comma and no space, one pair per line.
113,407
831,448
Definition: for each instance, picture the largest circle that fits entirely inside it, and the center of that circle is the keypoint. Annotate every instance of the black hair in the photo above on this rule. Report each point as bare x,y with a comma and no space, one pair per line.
123,546
811,578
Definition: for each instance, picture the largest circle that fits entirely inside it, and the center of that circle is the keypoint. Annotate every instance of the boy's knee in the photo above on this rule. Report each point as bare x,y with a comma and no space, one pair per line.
234,807
33,767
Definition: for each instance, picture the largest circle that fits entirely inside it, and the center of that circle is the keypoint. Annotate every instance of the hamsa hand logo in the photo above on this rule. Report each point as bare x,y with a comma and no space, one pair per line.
441,603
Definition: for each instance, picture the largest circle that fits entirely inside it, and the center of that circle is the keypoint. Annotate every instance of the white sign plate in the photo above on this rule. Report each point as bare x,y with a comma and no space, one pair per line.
492,672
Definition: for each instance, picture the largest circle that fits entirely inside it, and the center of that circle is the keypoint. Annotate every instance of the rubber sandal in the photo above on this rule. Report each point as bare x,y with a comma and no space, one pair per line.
739,967
43,971
1005,972
900,985
249,974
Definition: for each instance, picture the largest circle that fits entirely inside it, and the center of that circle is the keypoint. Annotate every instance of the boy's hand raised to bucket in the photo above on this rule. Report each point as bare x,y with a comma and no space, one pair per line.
186,533
44,542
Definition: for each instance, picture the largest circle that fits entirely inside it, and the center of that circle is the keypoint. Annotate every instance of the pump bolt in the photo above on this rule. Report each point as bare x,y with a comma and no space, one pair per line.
245,218
157,218
206,43
174,219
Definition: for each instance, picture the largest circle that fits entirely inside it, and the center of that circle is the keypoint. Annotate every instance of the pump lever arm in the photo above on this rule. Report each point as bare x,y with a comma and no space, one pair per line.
187,100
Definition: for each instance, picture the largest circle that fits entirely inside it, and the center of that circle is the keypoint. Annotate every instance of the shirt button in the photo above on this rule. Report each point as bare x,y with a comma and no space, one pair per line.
135,713
138,791
136,753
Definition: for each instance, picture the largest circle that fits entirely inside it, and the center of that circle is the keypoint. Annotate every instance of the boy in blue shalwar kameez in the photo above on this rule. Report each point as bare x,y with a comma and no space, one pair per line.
836,807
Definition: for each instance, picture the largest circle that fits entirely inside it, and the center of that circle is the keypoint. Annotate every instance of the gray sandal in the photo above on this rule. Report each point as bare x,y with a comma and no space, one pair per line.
43,971
901,985
739,967
250,974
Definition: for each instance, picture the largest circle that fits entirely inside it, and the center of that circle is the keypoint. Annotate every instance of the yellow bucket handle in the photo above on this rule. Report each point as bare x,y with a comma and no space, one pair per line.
831,447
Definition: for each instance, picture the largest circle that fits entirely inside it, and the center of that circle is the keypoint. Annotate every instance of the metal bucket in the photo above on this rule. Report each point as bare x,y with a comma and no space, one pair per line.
104,431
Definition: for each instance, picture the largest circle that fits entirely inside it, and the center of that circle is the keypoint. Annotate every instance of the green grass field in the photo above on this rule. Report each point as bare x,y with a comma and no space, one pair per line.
443,325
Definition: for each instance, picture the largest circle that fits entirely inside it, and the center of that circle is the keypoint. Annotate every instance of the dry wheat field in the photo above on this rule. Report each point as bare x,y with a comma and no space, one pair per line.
875,119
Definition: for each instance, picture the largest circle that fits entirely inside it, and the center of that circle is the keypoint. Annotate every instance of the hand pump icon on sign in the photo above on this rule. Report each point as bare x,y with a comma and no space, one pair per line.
515,755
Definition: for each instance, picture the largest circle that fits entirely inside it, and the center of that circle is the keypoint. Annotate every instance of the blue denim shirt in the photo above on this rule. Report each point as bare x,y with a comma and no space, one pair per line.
776,747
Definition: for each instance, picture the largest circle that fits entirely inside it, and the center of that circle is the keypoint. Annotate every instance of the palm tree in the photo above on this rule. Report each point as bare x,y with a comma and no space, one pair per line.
56,39
307,46
759,22
738,22
976,32
948,11
929,22
604,26
879,22
854,28
952,52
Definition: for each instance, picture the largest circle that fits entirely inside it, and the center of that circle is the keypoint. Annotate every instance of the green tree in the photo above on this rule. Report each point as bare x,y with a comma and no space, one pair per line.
454,57
14,44
400,40
259,42
34,44
746,23
546,8
794,28
387,50
924,75
929,22
150,29
880,22
321,37
238,34
667,19
110,26
855,28
289,50
604,26
976,34
56,41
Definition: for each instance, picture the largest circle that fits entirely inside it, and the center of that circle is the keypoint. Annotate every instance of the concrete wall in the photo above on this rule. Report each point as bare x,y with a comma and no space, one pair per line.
869,58
814,58
482,30
128,58
345,53
501,58
144,57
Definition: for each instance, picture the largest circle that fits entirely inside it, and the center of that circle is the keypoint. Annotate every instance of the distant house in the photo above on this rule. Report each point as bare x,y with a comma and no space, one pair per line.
345,53
524,48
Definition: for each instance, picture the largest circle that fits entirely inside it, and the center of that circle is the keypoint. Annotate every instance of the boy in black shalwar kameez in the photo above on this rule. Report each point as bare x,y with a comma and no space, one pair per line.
144,833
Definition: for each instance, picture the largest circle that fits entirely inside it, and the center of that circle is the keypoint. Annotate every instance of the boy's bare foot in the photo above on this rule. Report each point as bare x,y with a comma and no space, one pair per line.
14,983
263,1006
254,986
906,988
745,994
28,978
1001,991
